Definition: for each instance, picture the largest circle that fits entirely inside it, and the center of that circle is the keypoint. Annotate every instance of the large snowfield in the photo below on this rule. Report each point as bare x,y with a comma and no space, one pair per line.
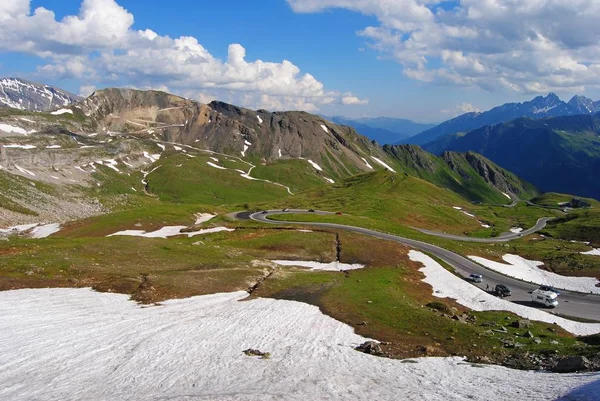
76,344
528,270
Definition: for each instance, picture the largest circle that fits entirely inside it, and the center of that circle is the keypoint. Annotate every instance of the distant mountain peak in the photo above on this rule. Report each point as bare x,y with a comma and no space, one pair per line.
539,107
22,94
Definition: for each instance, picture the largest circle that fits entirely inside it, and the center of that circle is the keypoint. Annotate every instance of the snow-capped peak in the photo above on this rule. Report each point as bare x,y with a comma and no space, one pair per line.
25,95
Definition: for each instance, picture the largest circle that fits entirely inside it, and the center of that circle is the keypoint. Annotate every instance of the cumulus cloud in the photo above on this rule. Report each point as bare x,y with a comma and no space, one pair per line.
462,109
529,46
353,100
99,46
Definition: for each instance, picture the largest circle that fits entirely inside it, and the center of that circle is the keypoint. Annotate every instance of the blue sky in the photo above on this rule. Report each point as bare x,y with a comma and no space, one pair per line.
417,59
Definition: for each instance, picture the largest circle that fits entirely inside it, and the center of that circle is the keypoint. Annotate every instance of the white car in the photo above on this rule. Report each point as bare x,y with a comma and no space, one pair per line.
476,278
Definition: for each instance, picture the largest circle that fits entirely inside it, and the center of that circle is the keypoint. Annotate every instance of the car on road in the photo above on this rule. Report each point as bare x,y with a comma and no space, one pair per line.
311,210
284,210
549,288
476,278
338,213
502,291
264,212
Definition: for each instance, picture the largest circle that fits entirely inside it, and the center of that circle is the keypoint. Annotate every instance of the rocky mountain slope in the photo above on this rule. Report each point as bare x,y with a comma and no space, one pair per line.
469,174
560,154
26,95
540,107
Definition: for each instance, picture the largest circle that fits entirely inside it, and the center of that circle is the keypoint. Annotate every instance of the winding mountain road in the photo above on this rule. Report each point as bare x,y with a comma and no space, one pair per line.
540,224
571,304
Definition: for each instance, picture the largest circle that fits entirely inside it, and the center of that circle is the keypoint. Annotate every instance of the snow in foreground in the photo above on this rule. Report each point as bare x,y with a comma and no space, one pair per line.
76,344
333,266
528,270
447,285
169,231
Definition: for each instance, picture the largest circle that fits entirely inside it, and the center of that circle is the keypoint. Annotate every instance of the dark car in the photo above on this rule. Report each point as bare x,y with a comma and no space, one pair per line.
338,213
264,212
549,288
502,291
311,210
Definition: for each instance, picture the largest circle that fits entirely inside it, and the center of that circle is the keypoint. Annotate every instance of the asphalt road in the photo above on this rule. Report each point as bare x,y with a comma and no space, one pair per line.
571,304
540,224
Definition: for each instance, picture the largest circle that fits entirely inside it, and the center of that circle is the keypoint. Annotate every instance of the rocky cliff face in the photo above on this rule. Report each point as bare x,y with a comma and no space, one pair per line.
25,95
229,129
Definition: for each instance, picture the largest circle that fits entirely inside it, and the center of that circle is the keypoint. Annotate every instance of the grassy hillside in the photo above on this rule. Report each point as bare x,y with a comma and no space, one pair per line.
559,154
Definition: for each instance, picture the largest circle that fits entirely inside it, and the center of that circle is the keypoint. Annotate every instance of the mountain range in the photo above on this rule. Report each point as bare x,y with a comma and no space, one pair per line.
26,95
560,154
540,107
383,130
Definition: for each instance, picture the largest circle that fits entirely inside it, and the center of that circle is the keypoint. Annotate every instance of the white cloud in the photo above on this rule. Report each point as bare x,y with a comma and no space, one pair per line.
462,109
353,100
525,46
98,46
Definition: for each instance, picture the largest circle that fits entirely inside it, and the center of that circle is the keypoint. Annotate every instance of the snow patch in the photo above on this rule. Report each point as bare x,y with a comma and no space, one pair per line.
61,111
160,145
19,146
53,147
315,165
168,231
152,158
593,252
11,129
367,163
178,148
329,180
324,128
468,214
333,266
45,230
260,120
383,164
24,171
279,152
80,344
528,270
507,195
216,166
516,230
457,207
204,217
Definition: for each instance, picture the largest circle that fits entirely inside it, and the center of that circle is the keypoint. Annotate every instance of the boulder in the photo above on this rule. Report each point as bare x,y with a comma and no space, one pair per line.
571,364
521,324
370,347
